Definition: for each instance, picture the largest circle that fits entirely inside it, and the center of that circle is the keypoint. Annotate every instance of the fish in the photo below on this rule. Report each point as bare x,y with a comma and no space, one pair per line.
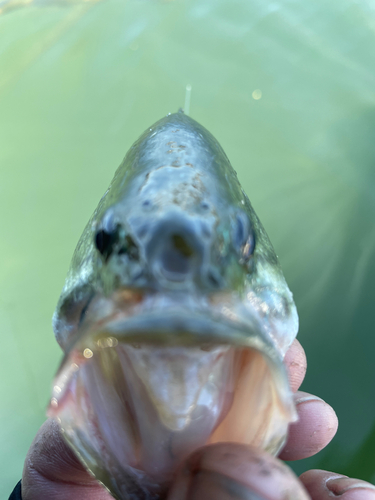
174,318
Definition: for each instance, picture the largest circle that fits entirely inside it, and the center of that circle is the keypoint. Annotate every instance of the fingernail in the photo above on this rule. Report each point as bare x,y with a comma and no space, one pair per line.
340,485
307,397
208,484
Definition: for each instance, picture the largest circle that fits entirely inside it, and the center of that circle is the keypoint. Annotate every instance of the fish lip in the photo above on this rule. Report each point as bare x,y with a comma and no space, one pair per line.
173,324
181,326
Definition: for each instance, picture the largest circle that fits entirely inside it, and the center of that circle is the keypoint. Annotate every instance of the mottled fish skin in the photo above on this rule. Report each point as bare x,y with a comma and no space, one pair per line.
177,174
174,318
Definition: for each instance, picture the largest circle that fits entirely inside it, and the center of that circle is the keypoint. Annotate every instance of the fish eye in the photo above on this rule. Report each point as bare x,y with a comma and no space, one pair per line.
105,241
243,238
248,248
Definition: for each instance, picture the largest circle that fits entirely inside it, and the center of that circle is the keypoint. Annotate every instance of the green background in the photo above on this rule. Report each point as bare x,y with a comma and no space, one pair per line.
80,82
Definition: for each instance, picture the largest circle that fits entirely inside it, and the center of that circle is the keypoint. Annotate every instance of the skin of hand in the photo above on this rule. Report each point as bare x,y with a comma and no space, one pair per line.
223,471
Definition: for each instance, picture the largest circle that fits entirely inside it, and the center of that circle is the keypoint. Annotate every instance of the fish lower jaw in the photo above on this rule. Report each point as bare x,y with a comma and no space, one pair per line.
134,412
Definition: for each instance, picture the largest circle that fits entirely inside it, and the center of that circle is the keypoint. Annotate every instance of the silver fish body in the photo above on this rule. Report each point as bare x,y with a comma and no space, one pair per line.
174,318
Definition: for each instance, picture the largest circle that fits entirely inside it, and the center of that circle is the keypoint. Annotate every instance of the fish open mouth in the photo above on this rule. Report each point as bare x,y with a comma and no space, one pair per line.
137,393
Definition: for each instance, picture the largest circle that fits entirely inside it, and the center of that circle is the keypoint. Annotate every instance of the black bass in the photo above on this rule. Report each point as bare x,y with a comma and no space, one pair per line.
174,318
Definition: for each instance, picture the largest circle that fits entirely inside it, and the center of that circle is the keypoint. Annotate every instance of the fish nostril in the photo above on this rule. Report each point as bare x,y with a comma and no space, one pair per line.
176,258
181,245
174,266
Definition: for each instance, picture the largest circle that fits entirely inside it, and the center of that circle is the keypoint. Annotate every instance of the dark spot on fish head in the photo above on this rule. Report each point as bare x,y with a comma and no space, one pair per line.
107,235
129,248
113,239
214,279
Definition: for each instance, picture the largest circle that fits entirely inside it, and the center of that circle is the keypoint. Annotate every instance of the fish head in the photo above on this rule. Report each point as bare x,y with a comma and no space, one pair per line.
174,318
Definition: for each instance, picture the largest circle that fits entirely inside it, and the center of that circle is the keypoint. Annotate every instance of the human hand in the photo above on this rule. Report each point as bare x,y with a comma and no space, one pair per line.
224,471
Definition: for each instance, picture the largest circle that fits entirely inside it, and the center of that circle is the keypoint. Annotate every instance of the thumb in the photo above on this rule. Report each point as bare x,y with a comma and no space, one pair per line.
52,470
229,471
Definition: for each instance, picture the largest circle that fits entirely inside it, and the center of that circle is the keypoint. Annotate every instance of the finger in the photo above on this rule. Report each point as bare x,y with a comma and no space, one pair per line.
52,470
323,485
230,471
295,362
317,424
